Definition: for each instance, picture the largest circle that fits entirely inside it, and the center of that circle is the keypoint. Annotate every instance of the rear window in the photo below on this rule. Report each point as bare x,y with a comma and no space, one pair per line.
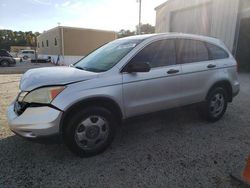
216,52
191,51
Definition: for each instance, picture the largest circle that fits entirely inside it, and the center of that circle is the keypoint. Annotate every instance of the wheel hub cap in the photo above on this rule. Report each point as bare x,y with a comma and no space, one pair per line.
217,104
92,132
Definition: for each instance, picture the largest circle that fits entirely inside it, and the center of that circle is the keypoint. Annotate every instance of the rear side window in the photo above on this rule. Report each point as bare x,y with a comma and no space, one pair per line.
158,54
191,51
216,52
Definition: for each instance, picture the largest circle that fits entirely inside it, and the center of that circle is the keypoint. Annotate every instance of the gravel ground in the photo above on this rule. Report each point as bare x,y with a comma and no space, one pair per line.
168,149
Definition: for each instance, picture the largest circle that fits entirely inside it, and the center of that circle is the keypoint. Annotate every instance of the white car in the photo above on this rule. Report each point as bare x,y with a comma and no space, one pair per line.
26,54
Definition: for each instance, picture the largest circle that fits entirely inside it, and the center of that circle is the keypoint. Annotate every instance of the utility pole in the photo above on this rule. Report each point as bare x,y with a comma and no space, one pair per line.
139,25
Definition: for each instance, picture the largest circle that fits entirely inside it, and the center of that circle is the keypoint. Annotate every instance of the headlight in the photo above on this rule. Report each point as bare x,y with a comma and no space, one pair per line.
21,96
43,95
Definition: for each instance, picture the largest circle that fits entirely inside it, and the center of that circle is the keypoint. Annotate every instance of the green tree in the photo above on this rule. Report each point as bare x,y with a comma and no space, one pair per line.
146,29
125,33
17,38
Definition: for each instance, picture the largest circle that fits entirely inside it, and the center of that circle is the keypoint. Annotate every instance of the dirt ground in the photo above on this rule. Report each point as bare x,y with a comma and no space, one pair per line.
8,91
174,148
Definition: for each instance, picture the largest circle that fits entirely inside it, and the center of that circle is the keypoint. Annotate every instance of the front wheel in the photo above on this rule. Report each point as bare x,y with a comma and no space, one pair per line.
216,104
90,131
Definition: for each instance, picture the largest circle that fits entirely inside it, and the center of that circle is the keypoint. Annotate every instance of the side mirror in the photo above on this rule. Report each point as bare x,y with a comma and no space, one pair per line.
137,67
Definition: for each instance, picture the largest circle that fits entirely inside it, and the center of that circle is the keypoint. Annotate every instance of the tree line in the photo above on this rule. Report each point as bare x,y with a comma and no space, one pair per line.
10,38
145,29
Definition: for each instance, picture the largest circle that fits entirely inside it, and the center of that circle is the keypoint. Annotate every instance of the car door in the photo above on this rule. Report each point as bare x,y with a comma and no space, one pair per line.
158,89
198,70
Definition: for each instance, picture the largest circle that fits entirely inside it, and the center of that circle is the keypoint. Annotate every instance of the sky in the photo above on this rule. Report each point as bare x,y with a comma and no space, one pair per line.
42,15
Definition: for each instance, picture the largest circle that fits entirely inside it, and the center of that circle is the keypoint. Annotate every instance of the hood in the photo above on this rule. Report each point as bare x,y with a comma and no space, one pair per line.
48,76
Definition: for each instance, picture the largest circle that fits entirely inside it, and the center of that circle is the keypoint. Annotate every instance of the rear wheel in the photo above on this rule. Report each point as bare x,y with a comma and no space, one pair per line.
216,104
90,131
5,63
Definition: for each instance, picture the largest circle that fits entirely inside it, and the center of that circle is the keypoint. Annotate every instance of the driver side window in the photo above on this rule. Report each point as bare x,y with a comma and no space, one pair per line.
158,54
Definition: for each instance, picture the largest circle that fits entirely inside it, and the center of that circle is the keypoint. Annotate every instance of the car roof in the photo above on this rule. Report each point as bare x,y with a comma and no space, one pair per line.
175,35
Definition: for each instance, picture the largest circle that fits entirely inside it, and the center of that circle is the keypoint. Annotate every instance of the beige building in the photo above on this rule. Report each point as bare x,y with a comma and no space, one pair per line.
66,45
228,20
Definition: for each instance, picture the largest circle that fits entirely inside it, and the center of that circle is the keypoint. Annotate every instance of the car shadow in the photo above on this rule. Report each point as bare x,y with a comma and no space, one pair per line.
139,141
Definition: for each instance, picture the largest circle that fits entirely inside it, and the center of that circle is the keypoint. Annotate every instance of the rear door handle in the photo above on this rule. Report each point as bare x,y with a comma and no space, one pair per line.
211,66
173,71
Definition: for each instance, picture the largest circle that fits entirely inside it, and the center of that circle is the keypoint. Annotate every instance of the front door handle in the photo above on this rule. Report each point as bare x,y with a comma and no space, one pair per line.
173,71
211,66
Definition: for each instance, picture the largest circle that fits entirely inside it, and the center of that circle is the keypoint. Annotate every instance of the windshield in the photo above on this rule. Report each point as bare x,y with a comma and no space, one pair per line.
105,57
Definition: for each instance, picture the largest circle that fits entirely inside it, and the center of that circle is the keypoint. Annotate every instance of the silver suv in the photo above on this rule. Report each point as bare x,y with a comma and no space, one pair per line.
85,103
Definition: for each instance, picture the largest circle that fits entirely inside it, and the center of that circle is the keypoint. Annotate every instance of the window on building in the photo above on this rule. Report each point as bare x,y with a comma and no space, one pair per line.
38,45
42,44
55,42
158,54
191,51
47,43
216,52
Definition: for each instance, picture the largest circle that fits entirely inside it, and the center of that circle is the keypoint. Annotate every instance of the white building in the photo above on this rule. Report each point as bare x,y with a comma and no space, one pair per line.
228,20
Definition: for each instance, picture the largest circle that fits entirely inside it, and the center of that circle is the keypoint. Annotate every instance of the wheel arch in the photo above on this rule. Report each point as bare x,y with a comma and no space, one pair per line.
104,102
226,85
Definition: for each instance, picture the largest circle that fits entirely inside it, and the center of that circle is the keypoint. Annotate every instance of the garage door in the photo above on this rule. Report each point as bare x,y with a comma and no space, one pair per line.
196,20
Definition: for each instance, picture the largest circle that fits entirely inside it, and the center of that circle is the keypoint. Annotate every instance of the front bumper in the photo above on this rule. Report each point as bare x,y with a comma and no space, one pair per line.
35,122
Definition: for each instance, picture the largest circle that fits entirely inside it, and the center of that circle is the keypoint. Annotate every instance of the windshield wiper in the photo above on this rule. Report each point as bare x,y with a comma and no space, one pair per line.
88,69
93,70
77,67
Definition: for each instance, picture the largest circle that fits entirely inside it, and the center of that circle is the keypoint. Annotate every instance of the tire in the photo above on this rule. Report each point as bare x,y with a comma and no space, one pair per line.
5,63
90,131
215,105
